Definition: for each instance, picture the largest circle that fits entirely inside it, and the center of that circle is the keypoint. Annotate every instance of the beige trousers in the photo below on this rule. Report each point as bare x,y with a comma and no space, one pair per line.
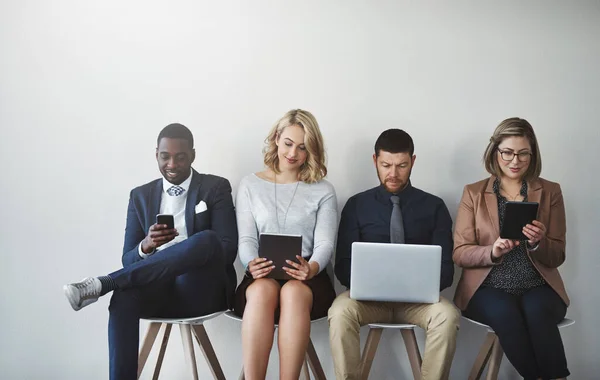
439,320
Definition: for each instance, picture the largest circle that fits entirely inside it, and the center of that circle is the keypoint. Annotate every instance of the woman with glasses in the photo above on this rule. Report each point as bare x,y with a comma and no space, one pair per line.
514,286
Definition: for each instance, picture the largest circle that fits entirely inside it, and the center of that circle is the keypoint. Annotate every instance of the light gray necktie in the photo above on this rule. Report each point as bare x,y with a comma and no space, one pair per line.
396,222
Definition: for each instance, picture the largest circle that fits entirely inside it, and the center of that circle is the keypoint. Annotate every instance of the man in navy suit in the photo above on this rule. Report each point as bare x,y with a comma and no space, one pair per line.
183,271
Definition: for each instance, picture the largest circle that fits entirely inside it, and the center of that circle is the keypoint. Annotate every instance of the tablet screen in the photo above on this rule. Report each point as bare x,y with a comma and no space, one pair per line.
516,216
279,248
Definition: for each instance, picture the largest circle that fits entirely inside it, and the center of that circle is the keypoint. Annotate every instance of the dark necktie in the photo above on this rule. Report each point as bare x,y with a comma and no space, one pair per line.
396,223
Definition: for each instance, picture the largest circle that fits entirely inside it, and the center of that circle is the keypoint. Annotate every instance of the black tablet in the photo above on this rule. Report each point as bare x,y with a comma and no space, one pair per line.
279,248
516,216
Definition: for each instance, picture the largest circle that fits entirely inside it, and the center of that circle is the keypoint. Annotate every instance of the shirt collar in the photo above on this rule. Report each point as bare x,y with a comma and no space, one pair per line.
185,185
384,196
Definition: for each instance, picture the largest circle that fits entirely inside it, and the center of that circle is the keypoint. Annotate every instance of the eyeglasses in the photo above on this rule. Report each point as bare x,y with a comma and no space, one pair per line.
508,155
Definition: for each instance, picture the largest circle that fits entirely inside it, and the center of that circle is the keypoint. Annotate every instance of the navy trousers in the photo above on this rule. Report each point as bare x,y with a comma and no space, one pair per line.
187,279
526,326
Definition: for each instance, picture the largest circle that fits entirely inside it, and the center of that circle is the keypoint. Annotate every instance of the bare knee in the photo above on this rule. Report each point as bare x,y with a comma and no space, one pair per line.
295,293
264,291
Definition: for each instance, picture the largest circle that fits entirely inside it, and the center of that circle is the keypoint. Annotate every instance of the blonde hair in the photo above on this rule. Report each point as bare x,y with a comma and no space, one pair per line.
313,169
513,127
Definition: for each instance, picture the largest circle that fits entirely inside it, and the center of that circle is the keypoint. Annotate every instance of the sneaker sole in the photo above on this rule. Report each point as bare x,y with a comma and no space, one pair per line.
71,297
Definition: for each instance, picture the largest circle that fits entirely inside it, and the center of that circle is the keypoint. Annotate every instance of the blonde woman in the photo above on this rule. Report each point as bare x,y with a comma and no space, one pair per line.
514,286
289,197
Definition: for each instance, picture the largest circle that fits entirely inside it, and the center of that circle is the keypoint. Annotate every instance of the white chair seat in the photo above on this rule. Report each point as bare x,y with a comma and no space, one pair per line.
192,320
236,317
492,352
564,323
392,325
410,341
188,327
232,315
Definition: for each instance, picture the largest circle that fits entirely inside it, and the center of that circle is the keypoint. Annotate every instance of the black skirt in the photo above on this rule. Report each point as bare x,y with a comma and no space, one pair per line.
322,290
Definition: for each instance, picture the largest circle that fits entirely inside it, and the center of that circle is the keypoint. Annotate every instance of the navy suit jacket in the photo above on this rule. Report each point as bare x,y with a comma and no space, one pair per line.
144,204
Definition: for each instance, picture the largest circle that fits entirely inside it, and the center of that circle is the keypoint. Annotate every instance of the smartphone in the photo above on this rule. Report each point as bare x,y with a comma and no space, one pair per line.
166,219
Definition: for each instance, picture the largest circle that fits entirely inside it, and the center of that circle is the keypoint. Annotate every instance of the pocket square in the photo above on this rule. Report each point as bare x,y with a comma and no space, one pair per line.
200,207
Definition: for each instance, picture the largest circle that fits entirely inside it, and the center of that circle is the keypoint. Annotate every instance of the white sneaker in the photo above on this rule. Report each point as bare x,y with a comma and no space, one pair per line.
81,294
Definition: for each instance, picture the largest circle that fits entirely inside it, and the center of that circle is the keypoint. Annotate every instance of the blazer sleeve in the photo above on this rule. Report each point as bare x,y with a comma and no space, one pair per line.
467,251
223,219
551,251
134,234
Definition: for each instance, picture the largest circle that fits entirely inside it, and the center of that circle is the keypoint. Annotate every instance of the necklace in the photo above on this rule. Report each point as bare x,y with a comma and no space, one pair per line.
511,198
288,206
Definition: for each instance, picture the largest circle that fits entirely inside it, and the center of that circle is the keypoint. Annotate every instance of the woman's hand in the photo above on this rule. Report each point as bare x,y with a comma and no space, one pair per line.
502,246
303,271
534,232
260,267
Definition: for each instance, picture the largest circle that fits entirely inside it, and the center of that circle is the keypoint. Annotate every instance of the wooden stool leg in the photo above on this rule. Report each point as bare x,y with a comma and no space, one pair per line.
495,361
149,339
313,362
369,352
305,372
188,348
163,349
483,357
208,351
412,349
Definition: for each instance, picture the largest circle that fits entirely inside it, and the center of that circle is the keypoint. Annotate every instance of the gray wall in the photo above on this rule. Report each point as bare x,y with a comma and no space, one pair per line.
86,86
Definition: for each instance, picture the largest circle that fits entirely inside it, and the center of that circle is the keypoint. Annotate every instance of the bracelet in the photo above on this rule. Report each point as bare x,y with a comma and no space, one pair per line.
533,247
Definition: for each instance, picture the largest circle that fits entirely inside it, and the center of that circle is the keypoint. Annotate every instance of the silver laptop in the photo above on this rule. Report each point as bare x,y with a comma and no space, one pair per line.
395,272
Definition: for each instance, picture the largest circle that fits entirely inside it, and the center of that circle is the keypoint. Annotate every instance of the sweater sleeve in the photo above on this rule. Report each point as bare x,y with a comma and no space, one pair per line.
247,230
325,230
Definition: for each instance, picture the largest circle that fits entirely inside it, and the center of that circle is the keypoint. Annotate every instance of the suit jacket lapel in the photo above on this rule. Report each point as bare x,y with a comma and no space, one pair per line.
154,206
191,201
491,203
534,191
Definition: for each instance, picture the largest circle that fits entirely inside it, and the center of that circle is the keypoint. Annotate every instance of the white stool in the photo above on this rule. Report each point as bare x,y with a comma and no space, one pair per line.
492,352
410,341
311,360
186,326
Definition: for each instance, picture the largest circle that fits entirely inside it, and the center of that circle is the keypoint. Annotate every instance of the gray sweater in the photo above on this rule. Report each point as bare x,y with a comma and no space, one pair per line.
311,213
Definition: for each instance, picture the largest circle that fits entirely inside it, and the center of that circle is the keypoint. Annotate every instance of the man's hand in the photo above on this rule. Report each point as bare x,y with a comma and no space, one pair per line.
158,234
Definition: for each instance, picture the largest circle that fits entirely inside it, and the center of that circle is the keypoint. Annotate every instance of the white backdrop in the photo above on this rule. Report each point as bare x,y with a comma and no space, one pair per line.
85,87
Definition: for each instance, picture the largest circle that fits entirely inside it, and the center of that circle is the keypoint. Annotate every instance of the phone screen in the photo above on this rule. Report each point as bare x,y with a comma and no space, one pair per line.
166,219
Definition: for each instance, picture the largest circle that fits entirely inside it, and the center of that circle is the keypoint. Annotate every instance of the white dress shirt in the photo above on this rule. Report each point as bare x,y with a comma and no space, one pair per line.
173,205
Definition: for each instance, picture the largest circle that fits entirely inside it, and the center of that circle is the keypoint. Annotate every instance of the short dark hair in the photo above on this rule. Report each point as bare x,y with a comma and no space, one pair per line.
394,141
176,131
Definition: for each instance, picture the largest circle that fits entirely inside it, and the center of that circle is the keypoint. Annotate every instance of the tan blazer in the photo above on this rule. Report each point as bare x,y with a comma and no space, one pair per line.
477,228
